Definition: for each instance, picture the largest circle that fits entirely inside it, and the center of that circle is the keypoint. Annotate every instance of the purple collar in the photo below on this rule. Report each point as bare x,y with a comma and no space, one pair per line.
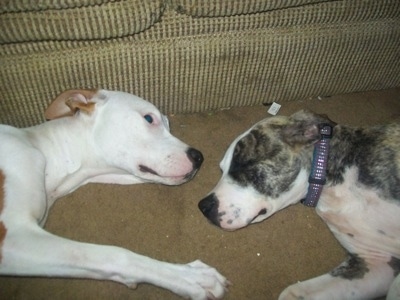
317,177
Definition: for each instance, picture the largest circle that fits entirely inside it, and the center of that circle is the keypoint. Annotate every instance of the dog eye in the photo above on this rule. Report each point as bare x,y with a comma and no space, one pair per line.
148,118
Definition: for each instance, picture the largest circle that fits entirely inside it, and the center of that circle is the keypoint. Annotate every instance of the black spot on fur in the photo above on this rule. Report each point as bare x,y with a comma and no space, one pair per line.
353,268
394,263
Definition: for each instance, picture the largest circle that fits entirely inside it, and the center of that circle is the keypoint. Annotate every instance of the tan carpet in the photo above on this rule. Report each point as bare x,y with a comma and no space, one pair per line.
165,223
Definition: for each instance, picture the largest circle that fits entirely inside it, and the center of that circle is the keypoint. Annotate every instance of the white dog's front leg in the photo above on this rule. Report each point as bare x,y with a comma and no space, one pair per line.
35,252
394,290
373,284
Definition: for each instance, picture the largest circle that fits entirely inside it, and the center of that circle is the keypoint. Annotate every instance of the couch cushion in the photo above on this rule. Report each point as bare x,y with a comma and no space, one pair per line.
29,5
22,21
223,8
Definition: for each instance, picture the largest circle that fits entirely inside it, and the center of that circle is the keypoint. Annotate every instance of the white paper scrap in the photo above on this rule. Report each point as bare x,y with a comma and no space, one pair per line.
274,108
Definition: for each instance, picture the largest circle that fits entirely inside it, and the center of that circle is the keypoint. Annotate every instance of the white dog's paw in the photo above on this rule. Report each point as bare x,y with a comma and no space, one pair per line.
291,293
201,282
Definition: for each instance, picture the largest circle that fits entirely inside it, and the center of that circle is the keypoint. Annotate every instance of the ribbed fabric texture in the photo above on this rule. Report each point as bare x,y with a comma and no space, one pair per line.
29,5
104,21
186,64
215,8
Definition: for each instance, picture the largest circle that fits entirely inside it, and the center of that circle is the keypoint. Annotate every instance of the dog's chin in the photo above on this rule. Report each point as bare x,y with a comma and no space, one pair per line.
236,227
227,227
233,226
167,179
177,180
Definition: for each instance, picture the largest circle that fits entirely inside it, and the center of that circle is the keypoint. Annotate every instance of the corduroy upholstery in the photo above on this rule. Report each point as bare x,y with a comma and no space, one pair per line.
190,56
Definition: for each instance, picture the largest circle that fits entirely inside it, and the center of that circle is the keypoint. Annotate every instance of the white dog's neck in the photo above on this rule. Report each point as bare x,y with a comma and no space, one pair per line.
67,165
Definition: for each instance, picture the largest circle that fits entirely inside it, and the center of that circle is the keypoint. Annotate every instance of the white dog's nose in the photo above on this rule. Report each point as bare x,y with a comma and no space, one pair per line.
195,157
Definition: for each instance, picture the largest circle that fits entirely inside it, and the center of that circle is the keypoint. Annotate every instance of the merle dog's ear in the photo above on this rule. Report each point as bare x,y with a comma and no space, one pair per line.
304,128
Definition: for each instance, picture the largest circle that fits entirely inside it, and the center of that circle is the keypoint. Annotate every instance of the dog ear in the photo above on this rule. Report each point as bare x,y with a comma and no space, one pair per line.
165,121
304,128
69,102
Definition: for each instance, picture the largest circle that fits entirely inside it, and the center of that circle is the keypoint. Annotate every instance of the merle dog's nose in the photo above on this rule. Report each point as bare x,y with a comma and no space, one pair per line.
209,208
195,157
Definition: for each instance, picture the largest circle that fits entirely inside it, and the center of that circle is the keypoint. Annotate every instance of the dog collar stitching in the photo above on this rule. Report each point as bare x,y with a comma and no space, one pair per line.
317,177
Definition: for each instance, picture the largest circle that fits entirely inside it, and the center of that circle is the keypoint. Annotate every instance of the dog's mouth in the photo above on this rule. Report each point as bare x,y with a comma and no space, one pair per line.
187,176
145,169
256,219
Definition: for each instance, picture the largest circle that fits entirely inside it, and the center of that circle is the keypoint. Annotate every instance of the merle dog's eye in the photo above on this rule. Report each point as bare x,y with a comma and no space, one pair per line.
148,118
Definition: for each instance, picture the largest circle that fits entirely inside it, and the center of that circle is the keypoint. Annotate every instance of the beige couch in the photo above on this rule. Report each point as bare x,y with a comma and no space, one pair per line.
190,56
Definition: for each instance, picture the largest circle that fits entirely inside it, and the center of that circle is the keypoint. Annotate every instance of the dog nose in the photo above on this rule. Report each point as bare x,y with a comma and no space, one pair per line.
209,208
195,157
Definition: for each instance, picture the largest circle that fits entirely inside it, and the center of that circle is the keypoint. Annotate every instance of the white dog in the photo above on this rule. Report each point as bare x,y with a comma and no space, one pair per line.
96,136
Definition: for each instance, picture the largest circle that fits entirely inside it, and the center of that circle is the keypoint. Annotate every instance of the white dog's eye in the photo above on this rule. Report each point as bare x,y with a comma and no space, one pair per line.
148,118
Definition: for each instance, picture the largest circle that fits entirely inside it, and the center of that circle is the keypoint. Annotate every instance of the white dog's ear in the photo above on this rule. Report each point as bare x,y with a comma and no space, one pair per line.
69,102
304,127
165,121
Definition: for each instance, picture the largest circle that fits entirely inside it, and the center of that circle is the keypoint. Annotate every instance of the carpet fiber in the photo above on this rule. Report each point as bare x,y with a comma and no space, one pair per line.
164,222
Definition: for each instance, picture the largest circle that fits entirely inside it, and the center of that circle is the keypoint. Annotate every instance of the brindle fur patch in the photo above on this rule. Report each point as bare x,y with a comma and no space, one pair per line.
269,163
264,162
353,268
374,151
394,263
